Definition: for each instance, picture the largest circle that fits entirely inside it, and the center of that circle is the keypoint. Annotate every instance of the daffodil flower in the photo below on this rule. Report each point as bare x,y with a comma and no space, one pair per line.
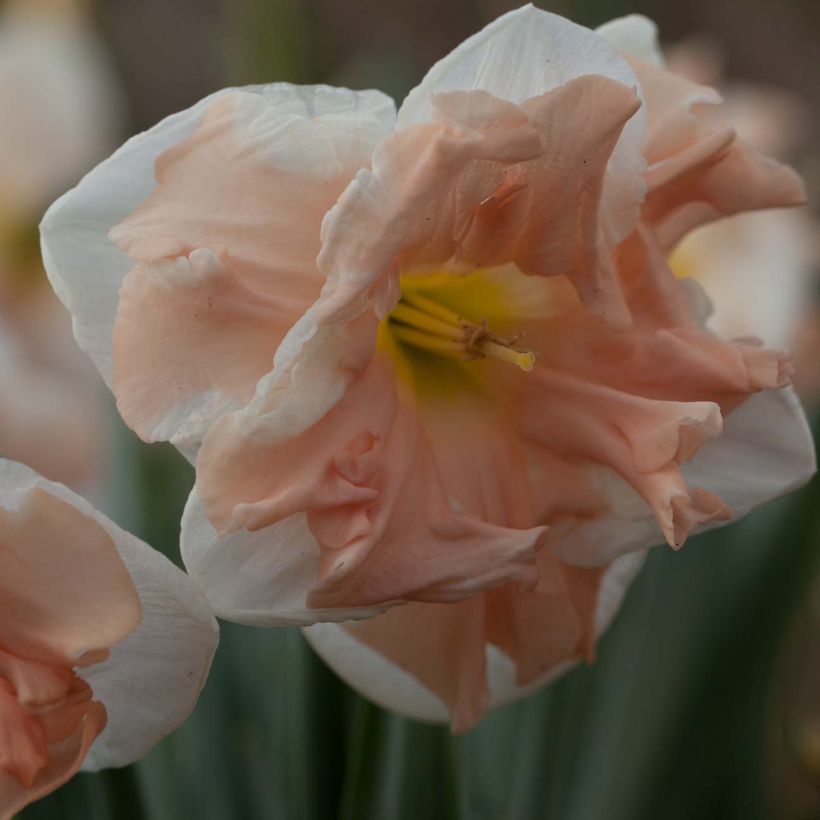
104,644
441,388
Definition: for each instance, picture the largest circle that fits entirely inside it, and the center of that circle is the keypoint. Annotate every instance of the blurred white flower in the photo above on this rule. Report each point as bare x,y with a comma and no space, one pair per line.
61,113
758,268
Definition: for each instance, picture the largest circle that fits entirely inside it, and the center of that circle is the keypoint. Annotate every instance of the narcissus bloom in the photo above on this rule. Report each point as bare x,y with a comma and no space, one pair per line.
488,392
104,643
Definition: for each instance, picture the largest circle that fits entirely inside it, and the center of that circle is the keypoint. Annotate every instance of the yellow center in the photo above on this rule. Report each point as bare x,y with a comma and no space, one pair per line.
450,317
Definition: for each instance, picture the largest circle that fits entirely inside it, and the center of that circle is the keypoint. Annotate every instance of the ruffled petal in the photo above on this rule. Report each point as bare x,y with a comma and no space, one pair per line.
765,451
526,53
64,760
309,131
472,186
373,498
699,171
259,578
407,679
642,440
741,180
150,681
633,34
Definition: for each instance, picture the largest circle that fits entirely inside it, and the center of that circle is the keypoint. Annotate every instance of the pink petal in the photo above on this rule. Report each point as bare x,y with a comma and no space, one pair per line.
700,171
472,185
442,646
246,182
374,500
64,759
190,343
58,604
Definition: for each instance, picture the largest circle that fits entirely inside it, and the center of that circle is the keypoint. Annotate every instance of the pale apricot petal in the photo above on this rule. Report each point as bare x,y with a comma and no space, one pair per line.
255,179
425,183
740,180
149,681
698,171
579,124
23,747
56,605
190,343
35,683
399,689
524,54
633,34
671,106
264,577
373,497
540,629
441,646
64,760
258,578
471,185
746,466
86,267
641,439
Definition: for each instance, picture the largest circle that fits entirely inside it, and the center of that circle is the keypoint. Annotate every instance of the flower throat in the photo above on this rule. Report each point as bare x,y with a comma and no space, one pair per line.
423,322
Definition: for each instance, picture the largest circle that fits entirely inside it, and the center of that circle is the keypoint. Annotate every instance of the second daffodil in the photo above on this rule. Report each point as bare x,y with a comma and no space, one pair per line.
436,376
105,643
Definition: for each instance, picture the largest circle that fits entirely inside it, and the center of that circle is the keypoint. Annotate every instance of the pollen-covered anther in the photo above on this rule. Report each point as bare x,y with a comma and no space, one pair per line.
424,323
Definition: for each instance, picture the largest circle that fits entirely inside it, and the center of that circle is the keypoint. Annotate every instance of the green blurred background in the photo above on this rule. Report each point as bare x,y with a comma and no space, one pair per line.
705,698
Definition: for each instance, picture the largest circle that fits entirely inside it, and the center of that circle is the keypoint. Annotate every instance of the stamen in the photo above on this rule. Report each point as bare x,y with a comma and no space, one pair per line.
408,315
424,323
433,308
426,341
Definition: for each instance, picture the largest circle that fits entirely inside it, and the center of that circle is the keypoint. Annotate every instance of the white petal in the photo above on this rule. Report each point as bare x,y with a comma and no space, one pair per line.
150,682
257,578
86,268
634,34
765,451
528,52
392,688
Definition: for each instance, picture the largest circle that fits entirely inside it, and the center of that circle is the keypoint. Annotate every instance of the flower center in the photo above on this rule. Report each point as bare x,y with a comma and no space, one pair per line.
424,323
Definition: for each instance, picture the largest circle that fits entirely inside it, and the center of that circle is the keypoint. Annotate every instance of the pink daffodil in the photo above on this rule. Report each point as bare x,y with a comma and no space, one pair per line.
440,386
104,644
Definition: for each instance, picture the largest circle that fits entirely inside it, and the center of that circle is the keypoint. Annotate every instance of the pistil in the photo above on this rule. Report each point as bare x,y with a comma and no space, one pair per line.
424,323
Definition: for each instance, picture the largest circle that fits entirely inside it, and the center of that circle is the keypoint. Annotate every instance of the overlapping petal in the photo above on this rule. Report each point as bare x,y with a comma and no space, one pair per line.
470,186
699,171
529,52
246,174
368,482
383,678
150,680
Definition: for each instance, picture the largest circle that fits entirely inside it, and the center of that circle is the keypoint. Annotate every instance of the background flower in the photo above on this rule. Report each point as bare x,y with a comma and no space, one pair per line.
62,111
